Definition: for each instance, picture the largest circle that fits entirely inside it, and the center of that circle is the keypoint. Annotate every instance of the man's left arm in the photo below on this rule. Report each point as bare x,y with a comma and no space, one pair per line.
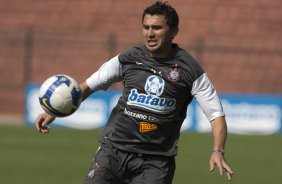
205,94
219,132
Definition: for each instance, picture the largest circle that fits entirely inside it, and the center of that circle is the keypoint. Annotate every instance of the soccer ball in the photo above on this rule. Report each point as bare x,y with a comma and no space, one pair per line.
60,95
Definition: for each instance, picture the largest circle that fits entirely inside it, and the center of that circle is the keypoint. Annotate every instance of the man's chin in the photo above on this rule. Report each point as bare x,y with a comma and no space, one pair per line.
152,49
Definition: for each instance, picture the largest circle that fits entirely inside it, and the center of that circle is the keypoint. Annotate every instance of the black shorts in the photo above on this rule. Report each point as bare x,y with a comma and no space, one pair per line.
114,166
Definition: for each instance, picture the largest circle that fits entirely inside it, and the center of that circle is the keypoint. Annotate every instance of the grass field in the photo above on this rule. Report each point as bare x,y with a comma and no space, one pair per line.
64,155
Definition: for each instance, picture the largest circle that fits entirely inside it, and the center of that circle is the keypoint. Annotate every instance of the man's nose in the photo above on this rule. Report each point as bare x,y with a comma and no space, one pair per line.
151,32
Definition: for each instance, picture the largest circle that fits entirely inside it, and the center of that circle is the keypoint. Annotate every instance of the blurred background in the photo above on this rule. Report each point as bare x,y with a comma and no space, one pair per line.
238,43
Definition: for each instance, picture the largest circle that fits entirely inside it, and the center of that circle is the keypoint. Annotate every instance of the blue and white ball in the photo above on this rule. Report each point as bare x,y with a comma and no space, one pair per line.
60,95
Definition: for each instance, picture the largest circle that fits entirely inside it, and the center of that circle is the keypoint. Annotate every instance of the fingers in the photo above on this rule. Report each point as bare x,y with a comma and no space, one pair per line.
220,168
218,164
228,170
229,176
223,167
41,126
42,121
44,129
212,164
38,122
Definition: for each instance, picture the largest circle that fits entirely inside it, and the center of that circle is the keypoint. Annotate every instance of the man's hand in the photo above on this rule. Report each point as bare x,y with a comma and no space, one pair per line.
217,159
42,121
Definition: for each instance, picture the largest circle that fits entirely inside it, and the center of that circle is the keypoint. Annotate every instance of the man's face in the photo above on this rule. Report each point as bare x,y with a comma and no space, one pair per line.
157,35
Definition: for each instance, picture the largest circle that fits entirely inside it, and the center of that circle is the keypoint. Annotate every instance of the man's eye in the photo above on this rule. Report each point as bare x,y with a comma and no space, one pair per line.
145,27
157,27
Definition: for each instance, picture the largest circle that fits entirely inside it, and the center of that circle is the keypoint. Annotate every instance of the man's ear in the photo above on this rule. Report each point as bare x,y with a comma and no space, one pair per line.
175,32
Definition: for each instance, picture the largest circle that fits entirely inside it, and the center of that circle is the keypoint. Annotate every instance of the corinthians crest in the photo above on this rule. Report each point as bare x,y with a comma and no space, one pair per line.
173,75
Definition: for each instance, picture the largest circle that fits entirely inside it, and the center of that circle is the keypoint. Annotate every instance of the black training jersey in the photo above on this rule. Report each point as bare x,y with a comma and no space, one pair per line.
149,114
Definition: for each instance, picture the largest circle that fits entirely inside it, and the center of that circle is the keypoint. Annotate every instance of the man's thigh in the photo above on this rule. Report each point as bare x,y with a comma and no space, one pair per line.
103,167
113,166
155,170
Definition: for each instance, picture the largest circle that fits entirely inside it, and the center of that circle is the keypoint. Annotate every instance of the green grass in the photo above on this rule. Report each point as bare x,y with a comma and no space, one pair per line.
64,155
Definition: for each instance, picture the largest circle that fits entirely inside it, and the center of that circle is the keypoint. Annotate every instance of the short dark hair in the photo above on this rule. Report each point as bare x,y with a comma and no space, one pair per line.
163,8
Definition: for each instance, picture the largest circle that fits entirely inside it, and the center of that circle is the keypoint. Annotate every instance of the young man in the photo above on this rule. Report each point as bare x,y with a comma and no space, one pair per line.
139,142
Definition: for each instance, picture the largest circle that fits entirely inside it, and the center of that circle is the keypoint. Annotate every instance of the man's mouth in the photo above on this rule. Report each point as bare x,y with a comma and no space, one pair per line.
152,43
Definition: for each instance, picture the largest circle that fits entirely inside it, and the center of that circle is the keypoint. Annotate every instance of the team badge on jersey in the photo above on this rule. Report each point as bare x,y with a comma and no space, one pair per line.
173,75
154,88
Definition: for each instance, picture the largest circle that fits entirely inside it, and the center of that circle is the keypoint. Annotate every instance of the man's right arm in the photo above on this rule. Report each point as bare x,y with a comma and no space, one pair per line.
108,73
43,120
85,90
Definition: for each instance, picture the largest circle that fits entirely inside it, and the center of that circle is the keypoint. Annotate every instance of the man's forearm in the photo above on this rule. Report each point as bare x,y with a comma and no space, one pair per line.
219,132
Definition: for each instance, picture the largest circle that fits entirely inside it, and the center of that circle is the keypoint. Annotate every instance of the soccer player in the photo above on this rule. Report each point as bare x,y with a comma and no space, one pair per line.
139,142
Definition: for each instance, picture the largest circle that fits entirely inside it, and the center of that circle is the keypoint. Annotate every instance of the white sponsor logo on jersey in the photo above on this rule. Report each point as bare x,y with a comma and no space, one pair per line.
154,88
